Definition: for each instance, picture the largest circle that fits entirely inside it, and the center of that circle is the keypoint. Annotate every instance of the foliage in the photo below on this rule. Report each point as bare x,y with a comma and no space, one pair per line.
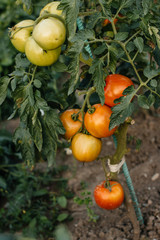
129,47
86,200
34,201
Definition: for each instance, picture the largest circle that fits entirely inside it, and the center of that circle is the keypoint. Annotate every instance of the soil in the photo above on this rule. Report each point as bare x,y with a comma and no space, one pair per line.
144,167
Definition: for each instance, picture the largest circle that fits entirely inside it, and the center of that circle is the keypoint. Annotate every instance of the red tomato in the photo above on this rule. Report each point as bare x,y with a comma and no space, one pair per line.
106,22
85,148
115,85
109,199
97,123
69,124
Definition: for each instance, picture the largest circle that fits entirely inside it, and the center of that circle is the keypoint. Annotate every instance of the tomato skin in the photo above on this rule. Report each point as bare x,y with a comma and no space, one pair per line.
85,148
20,36
109,199
38,56
115,85
49,33
69,124
97,123
51,8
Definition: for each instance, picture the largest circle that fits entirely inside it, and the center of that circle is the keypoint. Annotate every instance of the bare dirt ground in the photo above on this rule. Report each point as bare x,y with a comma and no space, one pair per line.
144,167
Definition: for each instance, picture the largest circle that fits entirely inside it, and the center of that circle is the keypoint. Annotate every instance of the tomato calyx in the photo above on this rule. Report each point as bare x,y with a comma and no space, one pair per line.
91,110
75,116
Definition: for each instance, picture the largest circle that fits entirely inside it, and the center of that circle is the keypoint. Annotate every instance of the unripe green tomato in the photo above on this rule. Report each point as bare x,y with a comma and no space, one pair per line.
49,33
19,35
39,56
52,8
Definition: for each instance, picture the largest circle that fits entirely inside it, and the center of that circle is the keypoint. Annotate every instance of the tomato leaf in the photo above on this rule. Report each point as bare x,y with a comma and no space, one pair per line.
62,201
121,36
23,138
139,43
98,76
36,132
122,110
61,217
62,233
93,19
4,81
146,102
71,9
52,127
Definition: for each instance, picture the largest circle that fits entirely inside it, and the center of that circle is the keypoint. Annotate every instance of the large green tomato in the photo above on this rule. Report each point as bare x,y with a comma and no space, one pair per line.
38,56
52,8
49,33
20,35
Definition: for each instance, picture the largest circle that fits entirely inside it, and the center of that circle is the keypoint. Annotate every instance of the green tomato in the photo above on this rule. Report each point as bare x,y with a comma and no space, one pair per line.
20,35
39,56
49,33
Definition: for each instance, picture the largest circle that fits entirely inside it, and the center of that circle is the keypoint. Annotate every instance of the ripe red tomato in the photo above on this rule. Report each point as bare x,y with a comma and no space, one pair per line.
85,148
97,123
69,124
106,22
109,199
115,85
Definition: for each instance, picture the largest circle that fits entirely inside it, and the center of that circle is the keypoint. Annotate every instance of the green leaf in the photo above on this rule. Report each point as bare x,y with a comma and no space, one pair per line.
130,47
4,81
23,138
98,76
74,70
84,35
52,127
3,183
153,83
40,102
40,193
36,132
62,233
121,36
61,217
71,9
150,73
146,5
21,61
127,3
62,201
29,94
93,19
146,102
59,67
100,49
37,83
139,43
122,110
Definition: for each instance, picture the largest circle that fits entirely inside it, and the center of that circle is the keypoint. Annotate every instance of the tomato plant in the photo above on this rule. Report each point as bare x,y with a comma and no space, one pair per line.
97,123
110,197
77,62
85,148
114,88
71,123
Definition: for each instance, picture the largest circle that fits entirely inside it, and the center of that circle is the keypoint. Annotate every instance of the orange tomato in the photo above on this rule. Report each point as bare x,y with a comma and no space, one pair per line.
69,124
109,199
97,123
115,85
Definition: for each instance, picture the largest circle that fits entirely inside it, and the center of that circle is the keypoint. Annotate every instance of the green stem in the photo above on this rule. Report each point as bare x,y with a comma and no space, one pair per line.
114,27
87,13
33,74
134,35
88,94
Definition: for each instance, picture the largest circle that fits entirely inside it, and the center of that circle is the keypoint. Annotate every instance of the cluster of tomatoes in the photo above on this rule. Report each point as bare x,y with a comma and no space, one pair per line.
41,40
87,147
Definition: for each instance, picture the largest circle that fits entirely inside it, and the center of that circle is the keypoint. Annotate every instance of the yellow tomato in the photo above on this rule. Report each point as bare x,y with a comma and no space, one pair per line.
85,148
52,8
38,56
20,35
49,33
